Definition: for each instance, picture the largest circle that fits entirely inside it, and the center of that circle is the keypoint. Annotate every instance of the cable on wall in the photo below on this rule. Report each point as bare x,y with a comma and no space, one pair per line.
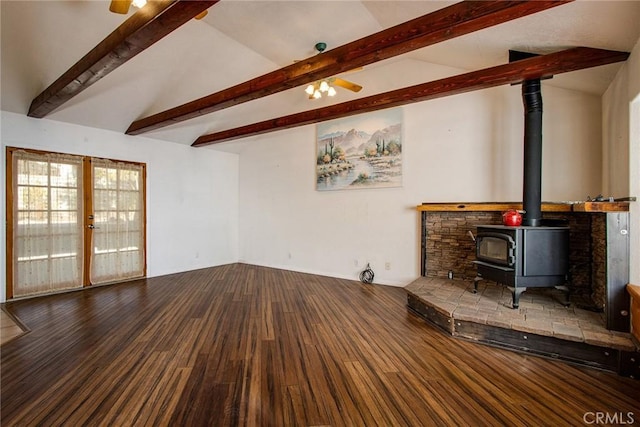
366,276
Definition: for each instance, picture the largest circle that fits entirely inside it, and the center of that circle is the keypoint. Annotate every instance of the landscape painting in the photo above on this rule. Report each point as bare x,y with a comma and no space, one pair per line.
363,151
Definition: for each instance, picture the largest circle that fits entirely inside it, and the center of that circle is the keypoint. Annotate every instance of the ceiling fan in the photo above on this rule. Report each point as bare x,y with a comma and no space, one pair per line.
122,7
325,86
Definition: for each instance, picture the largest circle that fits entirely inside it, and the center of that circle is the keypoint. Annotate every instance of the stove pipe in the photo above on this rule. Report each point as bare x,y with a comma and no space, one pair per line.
532,182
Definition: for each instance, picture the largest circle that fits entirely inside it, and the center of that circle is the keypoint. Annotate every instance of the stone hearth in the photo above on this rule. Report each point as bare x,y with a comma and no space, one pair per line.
542,325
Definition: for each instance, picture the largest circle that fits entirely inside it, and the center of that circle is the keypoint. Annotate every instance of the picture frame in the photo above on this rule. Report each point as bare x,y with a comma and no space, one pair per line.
362,151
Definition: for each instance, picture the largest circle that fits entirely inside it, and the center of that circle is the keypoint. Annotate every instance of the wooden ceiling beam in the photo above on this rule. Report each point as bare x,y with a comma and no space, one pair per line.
148,25
444,24
542,66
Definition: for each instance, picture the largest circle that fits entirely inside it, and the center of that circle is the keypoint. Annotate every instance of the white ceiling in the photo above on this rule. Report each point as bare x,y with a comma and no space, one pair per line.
239,40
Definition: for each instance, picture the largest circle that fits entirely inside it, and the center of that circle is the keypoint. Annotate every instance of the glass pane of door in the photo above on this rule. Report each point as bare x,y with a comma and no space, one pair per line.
47,222
118,221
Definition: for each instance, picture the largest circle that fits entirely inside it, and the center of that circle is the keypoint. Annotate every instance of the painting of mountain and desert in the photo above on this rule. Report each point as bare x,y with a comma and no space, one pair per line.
363,151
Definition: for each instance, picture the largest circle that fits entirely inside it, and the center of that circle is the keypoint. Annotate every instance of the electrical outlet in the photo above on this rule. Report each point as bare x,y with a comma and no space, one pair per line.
387,265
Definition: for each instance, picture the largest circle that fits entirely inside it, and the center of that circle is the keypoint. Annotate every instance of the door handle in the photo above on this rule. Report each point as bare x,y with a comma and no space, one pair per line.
91,226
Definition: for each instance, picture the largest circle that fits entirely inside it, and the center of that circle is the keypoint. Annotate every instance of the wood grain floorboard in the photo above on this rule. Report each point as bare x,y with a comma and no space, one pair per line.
240,345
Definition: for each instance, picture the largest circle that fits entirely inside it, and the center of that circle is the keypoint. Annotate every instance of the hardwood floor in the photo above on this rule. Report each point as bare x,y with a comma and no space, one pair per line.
246,345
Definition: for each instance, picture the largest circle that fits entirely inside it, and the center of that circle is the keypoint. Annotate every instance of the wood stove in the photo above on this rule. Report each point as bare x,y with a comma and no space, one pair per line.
534,254
523,257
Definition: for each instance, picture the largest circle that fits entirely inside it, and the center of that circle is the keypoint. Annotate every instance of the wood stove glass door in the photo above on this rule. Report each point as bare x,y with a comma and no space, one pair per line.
496,248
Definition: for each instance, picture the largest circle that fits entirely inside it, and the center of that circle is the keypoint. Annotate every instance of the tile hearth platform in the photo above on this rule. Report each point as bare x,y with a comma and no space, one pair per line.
9,328
541,325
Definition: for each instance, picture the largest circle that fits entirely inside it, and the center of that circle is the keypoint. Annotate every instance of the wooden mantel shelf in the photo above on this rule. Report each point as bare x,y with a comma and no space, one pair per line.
601,207
503,206
488,207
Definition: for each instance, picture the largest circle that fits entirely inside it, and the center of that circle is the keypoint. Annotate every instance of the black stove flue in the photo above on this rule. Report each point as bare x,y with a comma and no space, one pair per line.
532,180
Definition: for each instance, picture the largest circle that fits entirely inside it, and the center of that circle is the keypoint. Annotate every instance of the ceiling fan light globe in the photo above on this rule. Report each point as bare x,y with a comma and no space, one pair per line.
139,3
310,89
324,86
317,94
331,91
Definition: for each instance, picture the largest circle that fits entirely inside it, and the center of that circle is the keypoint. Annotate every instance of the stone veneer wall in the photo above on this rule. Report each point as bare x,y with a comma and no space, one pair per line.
449,246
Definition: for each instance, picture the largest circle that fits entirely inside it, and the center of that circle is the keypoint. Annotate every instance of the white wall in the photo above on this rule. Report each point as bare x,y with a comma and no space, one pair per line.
460,148
615,137
634,180
621,137
192,194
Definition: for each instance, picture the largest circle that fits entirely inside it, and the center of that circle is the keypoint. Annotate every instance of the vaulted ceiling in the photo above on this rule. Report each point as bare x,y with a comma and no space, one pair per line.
241,40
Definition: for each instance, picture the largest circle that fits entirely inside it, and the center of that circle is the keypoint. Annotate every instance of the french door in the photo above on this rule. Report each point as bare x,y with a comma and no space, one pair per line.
116,219
73,221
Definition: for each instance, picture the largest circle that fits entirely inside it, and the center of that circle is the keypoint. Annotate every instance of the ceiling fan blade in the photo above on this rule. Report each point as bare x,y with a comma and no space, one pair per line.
201,15
120,6
347,85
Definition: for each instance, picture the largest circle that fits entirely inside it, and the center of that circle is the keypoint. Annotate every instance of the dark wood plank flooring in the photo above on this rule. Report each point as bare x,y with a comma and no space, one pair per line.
245,345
